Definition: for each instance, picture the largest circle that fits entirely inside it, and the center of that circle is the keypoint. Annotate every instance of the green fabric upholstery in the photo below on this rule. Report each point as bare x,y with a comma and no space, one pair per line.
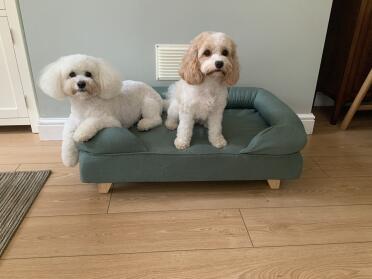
149,167
285,134
264,139
239,128
113,140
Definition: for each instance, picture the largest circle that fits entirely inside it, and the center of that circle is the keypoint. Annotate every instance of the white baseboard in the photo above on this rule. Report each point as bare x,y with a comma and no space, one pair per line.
308,120
51,128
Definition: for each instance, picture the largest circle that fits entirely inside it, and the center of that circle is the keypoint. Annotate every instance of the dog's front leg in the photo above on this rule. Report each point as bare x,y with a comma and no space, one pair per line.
91,126
215,129
69,154
184,130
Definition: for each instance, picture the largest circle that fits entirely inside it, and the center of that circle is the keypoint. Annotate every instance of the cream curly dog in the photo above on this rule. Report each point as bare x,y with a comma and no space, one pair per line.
99,99
208,67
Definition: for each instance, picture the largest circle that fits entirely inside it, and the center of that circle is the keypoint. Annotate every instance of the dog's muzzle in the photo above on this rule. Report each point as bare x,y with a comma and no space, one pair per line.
218,64
81,84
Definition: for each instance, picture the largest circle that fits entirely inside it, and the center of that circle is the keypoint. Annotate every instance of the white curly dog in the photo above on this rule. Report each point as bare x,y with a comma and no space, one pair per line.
99,99
208,67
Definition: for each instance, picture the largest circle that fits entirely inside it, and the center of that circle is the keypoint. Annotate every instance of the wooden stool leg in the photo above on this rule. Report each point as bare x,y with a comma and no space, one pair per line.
274,183
357,101
104,188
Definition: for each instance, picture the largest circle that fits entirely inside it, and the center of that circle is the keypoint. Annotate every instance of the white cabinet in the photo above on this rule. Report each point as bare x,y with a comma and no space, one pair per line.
13,108
17,97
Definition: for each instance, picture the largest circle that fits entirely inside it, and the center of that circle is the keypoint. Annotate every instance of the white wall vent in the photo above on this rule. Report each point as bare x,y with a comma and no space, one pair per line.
168,60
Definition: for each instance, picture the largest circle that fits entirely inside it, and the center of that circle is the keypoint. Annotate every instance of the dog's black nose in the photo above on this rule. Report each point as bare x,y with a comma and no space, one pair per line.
219,64
81,84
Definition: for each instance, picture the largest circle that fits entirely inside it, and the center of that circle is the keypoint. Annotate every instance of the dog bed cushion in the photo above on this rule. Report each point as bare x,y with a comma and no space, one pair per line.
255,122
264,139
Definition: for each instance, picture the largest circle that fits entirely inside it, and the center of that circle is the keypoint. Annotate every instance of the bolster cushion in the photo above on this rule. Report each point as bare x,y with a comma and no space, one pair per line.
112,141
285,134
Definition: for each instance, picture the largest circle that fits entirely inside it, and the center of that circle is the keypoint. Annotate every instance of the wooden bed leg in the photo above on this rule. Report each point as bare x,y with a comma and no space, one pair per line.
274,183
104,188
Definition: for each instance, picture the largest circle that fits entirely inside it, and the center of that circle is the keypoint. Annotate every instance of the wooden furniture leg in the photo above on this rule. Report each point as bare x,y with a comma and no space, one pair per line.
104,188
274,183
357,101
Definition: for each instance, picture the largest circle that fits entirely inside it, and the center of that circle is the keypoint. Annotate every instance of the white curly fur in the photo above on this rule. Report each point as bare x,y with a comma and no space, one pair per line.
105,101
201,94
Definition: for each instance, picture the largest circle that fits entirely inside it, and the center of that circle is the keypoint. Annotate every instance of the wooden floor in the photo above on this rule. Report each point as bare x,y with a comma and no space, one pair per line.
319,226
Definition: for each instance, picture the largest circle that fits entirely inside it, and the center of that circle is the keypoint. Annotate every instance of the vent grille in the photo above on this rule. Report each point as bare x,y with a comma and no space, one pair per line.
168,60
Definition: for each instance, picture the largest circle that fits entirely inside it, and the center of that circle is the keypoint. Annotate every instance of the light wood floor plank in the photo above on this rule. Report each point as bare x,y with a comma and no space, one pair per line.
308,225
135,197
69,200
330,140
27,154
322,192
346,143
131,232
61,175
8,167
352,261
345,166
311,169
23,137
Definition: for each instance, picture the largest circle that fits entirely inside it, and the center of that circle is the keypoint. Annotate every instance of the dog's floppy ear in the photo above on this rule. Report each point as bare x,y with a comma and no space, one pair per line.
51,80
190,66
109,80
232,76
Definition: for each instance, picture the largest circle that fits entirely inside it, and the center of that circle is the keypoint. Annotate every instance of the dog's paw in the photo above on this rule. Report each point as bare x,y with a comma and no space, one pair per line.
181,144
171,125
81,135
144,124
70,159
218,142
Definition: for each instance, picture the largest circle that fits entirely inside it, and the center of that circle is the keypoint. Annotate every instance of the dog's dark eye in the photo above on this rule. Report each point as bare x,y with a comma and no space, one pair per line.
72,74
88,74
225,52
207,52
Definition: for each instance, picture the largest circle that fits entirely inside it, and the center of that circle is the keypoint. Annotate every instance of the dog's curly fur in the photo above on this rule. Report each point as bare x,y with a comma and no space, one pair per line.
102,100
201,94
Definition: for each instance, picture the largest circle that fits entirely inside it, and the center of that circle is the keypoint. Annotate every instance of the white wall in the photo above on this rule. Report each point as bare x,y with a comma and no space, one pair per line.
279,42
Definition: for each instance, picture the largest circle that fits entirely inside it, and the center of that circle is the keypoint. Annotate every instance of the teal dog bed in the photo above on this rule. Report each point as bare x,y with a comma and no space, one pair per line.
264,141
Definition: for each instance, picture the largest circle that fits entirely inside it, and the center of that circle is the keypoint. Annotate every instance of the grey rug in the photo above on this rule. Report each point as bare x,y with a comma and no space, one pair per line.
18,191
